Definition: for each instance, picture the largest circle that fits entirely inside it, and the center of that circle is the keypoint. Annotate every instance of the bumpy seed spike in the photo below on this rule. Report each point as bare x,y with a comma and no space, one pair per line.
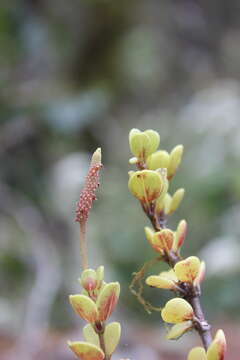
87,195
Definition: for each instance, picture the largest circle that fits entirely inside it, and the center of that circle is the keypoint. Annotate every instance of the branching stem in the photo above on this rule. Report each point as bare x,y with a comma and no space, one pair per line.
191,295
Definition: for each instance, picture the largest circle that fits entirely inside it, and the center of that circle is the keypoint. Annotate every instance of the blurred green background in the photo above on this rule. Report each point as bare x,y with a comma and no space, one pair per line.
76,75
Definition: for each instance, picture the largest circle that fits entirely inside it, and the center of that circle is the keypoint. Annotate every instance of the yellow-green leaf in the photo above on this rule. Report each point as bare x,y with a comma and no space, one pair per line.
176,200
170,274
160,282
187,270
107,300
167,203
197,353
85,307
154,139
146,185
99,276
176,311
201,274
112,335
149,234
159,159
175,160
163,174
178,330
90,335
140,144
86,351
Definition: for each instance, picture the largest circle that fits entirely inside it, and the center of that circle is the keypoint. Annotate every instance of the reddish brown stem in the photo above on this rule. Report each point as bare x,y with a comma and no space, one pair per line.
99,329
202,325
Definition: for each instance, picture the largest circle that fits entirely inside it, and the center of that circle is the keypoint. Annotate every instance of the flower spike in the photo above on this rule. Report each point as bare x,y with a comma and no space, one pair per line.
87,195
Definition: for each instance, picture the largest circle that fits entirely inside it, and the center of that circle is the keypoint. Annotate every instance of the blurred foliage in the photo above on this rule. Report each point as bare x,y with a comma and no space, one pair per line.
80,74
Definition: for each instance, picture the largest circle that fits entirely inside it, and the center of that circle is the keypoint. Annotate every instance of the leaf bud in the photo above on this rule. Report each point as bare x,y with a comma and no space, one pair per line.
88,280
175,160
143,144
218,347
176,200
133,160
99,276
167,203
180,235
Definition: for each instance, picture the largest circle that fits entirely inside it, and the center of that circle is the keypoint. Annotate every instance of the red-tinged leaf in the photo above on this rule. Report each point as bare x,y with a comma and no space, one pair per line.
107,300
180,235
218,347
163,240
86,351
85,307
188,269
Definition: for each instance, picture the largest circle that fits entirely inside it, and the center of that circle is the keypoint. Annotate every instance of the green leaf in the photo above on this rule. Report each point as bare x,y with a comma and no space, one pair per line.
112,336
90,335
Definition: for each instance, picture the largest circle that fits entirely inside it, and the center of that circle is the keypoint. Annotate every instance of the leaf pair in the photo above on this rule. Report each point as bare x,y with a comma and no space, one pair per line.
143,144
111,336
102,309
165,240
162,159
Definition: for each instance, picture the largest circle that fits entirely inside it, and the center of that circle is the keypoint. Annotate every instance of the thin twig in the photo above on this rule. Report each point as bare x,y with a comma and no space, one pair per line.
137,279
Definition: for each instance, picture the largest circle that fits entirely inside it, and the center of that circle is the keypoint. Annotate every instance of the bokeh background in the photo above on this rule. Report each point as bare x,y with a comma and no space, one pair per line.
76,75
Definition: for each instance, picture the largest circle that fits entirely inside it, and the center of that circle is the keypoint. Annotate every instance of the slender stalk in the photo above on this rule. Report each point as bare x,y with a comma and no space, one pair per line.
83,245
